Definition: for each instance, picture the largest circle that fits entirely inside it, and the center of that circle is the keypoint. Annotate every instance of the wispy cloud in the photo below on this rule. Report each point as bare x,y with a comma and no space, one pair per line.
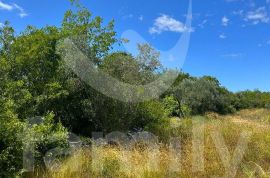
225,21
166,23
22,12
204,22
141,18
260,45
222,36
232,55
1,25
6,6
250,3
127,16
238,12
259,15
10,7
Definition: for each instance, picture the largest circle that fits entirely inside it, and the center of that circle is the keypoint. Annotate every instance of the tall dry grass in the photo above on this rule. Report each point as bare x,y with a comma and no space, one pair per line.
109,161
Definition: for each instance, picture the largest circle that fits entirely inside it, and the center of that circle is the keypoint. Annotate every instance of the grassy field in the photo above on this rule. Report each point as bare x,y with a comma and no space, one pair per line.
221,138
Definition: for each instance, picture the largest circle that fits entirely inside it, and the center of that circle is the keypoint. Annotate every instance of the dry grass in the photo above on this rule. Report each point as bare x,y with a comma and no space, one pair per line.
119,162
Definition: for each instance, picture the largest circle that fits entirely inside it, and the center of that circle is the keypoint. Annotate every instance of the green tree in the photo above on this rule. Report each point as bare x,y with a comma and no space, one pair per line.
201,95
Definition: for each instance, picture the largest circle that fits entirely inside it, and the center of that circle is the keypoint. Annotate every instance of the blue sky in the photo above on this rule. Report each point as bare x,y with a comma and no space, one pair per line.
230,39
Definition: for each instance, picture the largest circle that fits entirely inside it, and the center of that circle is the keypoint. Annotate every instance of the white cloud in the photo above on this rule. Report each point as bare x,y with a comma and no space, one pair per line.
201,25
128,16
6,6
233,55
10,7
141,18
1,25
225,21
222,36
171,58
22,12
239,12
259,15
166,23
250,3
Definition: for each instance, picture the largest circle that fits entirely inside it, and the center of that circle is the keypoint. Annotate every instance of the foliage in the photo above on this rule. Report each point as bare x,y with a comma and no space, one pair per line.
252,99
34,81
171,106
10,143
15,134
202,95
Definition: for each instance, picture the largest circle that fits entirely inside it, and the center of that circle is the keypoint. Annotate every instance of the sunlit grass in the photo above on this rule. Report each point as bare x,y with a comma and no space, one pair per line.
109,161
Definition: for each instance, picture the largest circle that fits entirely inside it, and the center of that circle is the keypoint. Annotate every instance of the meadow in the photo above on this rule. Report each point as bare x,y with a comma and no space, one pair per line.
116,161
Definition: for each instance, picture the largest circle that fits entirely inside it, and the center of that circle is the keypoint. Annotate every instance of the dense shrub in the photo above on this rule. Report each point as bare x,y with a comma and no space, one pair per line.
15,134
10,142
202,95
252,99
171,105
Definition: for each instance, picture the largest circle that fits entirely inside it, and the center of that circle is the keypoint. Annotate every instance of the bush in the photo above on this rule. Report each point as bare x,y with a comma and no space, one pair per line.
149,113
171,106
14,134
203,95
10,146
45,136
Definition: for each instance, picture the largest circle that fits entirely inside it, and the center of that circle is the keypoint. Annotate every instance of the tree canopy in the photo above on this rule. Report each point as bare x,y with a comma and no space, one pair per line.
35,82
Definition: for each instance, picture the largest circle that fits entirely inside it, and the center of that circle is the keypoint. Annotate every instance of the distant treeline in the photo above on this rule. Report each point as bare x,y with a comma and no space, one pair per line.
34,82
